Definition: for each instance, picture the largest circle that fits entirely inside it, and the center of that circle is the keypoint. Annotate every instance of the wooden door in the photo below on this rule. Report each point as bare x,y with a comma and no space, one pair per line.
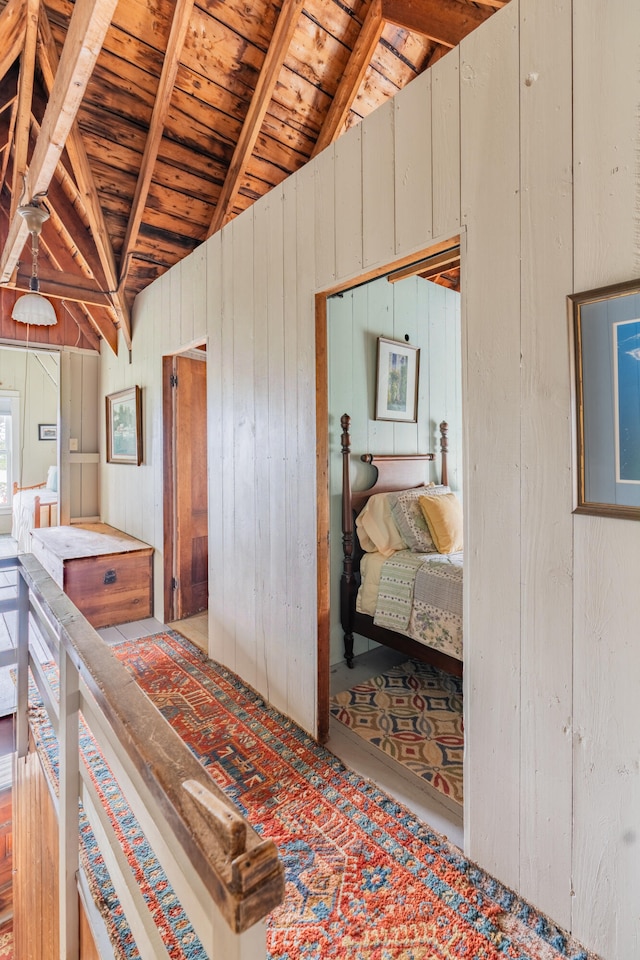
190,486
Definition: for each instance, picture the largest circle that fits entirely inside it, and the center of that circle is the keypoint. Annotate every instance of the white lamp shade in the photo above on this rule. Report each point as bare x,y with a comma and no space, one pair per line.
32,308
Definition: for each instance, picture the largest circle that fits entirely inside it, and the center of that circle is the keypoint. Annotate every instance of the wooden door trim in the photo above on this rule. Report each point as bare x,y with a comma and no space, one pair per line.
322,468
168,487
323,525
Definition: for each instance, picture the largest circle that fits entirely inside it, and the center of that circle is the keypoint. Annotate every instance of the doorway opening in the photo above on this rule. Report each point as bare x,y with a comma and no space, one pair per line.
417,304
186,516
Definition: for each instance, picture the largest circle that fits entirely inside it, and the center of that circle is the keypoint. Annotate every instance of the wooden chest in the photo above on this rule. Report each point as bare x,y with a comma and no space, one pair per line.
106,573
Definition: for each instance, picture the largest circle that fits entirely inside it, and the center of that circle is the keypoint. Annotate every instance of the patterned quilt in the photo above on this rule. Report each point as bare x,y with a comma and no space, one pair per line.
420,595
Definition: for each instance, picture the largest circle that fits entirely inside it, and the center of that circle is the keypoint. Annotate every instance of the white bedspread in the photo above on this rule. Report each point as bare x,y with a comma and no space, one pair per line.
427,609
23,520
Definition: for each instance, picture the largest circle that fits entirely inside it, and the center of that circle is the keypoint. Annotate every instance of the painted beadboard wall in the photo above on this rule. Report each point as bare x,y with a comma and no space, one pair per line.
81,411
34,376
430,315
525,138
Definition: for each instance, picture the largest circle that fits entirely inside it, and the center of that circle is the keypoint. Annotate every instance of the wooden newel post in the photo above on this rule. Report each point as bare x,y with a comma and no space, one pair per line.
347,583
444,449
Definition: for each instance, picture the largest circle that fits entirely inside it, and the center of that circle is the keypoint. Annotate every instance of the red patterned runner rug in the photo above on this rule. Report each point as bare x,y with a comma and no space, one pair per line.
413,714
6,941
365,880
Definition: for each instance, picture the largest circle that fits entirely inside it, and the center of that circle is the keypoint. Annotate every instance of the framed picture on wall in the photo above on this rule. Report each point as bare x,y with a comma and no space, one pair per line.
124,426
397,381
605,332
47,431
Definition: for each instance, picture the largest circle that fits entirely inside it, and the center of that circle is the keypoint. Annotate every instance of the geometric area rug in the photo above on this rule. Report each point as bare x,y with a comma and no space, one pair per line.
412,713
364,878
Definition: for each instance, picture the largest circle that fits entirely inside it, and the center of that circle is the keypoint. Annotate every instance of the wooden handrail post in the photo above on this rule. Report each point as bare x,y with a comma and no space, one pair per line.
22,672
68,822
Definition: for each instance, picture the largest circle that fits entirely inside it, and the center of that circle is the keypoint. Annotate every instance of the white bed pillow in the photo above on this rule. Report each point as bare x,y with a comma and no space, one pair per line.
409,518
52,479
377,531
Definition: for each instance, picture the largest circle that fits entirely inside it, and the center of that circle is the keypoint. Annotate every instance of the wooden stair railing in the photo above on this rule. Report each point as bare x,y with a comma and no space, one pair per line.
225,875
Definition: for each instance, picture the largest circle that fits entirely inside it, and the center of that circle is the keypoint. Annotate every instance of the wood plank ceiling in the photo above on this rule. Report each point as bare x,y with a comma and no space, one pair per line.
143,126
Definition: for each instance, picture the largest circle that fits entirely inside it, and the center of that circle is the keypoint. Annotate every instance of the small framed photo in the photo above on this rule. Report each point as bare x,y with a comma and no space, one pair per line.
397,381
605,333
47,431
124,426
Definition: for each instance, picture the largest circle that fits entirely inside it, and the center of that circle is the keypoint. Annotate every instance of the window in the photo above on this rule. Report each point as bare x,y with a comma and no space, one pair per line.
8,438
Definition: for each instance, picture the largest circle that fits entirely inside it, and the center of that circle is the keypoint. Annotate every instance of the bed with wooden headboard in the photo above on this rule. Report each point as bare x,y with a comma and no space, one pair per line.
33,507
428,610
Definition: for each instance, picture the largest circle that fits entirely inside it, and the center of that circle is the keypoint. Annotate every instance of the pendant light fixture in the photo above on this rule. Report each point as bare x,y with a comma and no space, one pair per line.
32,307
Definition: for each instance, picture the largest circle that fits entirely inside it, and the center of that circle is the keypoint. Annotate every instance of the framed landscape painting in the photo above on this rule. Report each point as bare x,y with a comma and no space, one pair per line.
605,332
397,381
124,426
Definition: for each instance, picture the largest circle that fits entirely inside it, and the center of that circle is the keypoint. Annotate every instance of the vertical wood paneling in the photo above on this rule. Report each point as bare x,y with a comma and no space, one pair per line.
187,305
408,321
215,456
230,548
275,602
499,130
348,203
490,205
378,187
296,266
64,479
200,292
302,655
174,305
412,132
606,820
244,441
324,218
445,140
262,492
546,159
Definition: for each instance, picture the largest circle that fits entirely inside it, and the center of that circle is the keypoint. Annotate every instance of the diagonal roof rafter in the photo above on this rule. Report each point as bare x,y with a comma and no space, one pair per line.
273,63
171,61
48,60
87,29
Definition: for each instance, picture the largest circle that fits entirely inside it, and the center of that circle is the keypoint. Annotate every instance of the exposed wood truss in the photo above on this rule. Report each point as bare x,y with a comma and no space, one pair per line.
146,126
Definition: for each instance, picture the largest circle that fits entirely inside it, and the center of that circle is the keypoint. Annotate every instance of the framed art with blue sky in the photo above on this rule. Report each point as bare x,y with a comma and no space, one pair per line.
605,327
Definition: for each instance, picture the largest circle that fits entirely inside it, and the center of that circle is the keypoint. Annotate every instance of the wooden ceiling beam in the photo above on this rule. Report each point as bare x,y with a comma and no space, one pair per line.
89,23
444,21
25,96
48,60
352,77
89,325
60,258
7,148
171,61
273,62
61,286
13,25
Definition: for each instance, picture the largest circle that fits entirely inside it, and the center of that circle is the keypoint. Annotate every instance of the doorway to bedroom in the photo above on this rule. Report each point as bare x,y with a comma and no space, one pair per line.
391,704
186,515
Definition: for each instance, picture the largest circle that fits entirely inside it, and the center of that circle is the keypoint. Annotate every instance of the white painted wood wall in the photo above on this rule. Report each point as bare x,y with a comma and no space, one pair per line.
429,315
34,376
525,137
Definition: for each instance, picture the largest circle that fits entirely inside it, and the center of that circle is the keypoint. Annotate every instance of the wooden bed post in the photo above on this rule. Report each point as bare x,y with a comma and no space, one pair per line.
347,581
444,449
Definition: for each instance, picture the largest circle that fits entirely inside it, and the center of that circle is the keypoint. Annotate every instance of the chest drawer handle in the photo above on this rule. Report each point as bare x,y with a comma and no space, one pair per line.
110,576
